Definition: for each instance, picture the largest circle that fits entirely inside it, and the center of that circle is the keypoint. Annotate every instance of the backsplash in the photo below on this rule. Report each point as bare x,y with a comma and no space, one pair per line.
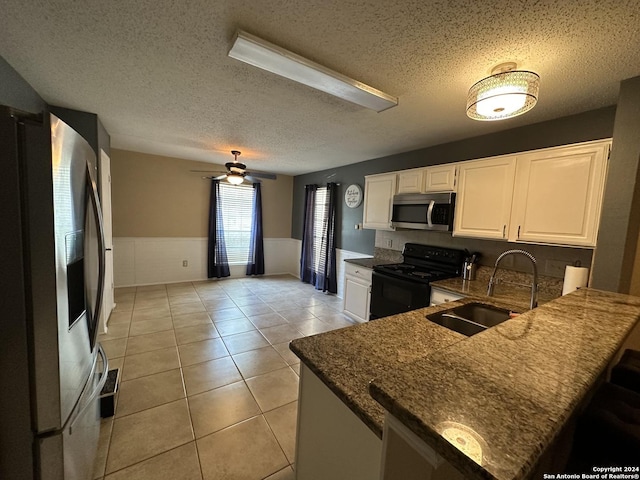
388,255
551,260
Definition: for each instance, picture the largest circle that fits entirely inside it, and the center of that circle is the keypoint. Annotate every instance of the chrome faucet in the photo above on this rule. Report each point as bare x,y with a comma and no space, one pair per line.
534,285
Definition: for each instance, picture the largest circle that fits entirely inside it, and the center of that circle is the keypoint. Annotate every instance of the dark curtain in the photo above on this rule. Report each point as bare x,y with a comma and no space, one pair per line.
217,265
329,279
255,264
322,275
307,271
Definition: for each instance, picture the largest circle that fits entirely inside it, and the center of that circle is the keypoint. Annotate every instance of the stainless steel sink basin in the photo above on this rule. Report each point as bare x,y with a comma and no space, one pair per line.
470,318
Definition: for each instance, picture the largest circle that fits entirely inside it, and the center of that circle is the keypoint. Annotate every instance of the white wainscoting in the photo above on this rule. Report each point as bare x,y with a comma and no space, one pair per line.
341,256
151,260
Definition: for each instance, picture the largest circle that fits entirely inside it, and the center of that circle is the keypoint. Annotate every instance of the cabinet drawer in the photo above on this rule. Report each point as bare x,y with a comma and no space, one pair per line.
357,271
442,296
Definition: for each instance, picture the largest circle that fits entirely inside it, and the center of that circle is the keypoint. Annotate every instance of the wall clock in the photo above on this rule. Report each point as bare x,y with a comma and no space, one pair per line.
353,196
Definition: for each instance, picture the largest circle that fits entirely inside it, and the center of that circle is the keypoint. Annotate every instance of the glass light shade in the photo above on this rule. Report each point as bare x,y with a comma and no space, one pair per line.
503,95
235,179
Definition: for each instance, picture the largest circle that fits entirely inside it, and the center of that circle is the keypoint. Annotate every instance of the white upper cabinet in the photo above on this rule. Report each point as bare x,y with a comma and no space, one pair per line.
411,181
558,195
483,202
551,196
378,201
441,178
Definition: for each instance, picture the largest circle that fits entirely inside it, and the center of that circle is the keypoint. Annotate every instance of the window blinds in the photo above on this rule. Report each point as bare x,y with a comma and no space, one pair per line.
237,212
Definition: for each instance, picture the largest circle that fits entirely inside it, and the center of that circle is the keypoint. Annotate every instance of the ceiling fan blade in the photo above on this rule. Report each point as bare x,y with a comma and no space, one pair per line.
268,176
252,179
221,177
218,172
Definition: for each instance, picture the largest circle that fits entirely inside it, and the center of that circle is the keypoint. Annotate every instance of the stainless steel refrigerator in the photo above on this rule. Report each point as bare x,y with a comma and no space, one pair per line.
52,271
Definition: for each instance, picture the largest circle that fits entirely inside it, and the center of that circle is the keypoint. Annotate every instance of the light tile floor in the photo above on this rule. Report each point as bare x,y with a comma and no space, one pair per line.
209,387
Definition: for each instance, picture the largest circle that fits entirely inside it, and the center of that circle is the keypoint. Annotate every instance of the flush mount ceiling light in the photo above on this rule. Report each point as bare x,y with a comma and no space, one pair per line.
262,54
506,93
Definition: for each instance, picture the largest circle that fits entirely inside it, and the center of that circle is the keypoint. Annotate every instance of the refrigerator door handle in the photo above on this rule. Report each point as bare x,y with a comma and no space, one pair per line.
97,212
98,389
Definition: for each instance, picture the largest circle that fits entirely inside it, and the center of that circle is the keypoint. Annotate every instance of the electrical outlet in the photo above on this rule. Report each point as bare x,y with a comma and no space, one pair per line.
388,242
185,263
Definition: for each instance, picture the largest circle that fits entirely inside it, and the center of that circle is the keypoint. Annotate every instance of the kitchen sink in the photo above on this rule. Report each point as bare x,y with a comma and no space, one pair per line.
470,318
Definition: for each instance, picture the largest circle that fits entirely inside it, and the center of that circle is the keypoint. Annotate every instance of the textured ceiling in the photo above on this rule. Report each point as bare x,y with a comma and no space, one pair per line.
158,75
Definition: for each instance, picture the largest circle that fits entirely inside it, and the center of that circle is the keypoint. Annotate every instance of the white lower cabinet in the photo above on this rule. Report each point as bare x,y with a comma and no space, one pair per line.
405,456
357,292
331,441
439,296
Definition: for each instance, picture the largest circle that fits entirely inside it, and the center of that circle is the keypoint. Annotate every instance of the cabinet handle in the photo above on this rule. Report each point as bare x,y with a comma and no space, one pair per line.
518,231
504,230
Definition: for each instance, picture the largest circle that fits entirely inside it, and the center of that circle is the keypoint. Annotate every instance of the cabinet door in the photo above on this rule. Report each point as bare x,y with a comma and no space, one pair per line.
483,203
441,178
411,181
378,201
356,298
558,195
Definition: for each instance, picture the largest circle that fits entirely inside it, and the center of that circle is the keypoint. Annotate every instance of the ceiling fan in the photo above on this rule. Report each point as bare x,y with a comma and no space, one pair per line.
237,172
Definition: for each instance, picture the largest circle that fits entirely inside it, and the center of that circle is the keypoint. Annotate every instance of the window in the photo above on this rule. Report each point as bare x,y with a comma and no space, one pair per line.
320,211
318,253
237,212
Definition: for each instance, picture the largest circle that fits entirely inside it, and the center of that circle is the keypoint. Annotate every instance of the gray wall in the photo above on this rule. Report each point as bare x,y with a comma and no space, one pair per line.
592,125
16,92
620,223
15,414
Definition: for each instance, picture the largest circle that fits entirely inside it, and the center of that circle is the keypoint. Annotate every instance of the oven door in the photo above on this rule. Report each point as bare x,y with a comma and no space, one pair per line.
392,295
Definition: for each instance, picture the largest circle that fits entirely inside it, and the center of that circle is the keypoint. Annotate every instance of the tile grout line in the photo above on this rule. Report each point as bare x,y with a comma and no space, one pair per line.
244,379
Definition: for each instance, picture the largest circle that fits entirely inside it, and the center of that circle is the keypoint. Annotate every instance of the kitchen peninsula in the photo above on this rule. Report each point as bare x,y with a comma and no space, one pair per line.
513,387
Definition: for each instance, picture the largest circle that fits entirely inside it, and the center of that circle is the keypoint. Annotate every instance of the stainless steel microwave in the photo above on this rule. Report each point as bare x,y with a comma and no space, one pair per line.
424,211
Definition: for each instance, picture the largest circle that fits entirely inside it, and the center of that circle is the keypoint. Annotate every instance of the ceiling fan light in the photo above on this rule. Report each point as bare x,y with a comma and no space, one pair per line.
235,179
503,95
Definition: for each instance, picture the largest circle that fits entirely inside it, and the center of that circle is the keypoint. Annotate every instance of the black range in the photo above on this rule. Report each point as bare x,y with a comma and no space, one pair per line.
402,287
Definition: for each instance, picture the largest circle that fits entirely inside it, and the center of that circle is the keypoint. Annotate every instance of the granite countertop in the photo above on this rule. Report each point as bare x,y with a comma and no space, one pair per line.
381,256
512,387
346,360
368,262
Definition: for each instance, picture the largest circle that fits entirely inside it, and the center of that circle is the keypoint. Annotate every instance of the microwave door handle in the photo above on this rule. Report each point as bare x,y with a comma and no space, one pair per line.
95,203
429,213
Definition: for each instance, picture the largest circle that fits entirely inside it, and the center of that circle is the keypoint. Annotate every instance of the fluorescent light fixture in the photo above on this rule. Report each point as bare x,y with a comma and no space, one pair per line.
506,93
262,54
